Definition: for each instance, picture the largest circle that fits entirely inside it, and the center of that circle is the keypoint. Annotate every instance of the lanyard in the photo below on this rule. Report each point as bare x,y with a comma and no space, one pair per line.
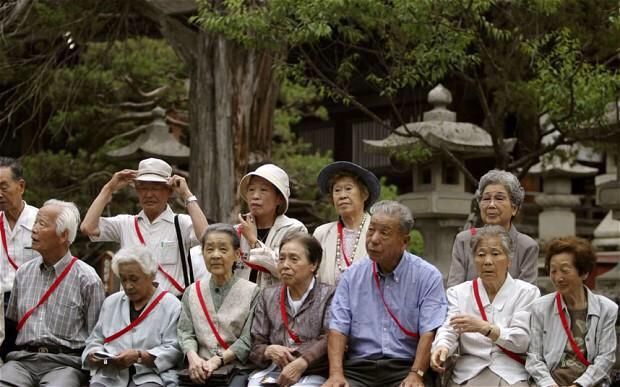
510,354
245,261
161,269
291,333
4,244
47,293
137,321
219,339
344,255
402,328
569,334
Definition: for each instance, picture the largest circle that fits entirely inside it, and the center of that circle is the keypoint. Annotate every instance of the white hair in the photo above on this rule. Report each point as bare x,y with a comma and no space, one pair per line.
135,254
68,218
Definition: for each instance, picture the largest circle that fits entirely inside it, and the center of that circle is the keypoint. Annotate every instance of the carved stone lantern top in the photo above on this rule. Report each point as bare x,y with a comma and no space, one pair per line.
155,141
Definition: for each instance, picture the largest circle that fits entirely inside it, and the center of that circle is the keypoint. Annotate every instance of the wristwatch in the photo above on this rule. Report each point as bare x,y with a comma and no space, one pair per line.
139,360
416,371
221,359
190,199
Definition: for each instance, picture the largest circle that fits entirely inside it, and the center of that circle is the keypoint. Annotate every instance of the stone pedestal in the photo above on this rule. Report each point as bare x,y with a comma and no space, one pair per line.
556,219
439,215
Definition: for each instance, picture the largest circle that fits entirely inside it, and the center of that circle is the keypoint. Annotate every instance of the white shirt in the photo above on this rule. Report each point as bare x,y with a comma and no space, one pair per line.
510,311
19,243
295,305
160,237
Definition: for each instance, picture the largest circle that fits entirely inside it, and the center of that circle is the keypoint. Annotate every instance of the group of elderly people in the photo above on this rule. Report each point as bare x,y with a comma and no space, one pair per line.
268,304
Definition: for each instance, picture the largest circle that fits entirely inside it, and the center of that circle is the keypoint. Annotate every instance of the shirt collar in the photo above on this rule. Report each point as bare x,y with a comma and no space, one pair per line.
167,216
60,265
400,269
594,307
513,232
304,296
225,287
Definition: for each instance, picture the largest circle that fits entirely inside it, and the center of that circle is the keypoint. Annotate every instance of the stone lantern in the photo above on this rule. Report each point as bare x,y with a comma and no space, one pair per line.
557,219
155,141
440,203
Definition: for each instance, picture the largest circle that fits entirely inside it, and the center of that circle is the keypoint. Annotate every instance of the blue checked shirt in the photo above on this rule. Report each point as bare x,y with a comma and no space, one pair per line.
413,291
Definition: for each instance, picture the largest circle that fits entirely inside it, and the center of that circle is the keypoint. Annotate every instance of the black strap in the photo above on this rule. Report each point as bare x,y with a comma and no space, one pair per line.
187,279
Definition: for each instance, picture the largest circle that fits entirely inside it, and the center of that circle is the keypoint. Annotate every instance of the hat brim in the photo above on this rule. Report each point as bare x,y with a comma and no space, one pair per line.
151,177
368,178
245,182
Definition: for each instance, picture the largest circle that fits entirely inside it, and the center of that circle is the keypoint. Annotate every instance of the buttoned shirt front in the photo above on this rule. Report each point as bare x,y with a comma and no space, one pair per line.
510,311
19,244
549,340
159,236
414,293
71,311
156,334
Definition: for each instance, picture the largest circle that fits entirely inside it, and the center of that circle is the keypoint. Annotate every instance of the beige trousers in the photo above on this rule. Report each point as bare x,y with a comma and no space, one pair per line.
488,378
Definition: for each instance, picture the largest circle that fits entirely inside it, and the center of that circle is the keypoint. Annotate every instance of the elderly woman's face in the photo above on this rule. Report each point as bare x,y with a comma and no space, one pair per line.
220,254
491,260
564,275
294,266
348,197
496,206
262,197
136,283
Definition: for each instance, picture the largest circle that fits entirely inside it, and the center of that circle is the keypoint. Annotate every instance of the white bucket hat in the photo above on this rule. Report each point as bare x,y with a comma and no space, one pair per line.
154,170
273,174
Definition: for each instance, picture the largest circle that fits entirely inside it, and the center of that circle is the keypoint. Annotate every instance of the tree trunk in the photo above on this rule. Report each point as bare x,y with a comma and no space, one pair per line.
232,99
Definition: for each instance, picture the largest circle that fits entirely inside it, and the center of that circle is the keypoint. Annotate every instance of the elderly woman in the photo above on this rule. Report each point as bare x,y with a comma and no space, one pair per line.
573,340
499,196
214,327
134,342
488,318
290,323
353,190
266,192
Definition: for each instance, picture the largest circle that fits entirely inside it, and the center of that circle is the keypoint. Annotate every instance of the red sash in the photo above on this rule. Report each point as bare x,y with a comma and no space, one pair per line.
248,264
219,339
402,328
344,255
4,244
47,293
137,321
291,333
161,269
510,354
569,334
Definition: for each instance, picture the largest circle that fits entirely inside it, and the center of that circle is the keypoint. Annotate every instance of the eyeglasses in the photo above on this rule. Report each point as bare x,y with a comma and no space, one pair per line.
498,199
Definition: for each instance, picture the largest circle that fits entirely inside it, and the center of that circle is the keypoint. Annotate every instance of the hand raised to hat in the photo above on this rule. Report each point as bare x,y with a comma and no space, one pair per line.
121,179
179,185
248,228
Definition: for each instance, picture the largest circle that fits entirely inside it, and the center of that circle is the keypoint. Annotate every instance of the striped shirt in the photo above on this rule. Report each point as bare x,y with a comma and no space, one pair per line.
19,242
69,314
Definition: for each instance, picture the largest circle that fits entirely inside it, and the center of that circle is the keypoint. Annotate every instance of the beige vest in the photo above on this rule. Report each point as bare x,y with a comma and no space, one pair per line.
228,320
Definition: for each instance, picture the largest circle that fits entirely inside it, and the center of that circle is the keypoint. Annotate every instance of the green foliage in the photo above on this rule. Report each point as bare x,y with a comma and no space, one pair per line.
416,243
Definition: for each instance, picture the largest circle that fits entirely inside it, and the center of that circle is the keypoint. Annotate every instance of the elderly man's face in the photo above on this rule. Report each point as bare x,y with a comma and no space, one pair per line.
153,196
11,190
45,240
137,284
385,240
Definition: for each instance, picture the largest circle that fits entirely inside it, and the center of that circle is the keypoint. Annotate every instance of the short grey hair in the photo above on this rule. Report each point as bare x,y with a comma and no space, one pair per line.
135,254
494,231
68,218
395,209
507,180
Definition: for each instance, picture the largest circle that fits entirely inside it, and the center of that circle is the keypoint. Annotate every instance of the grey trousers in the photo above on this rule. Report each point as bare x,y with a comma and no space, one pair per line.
379,373
486,377
26,369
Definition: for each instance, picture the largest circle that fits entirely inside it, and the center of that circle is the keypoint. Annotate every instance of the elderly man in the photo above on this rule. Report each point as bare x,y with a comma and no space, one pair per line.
16,219
156,226
55,301
386,309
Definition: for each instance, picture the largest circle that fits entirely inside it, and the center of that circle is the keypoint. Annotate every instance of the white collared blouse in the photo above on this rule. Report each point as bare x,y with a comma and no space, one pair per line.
509,311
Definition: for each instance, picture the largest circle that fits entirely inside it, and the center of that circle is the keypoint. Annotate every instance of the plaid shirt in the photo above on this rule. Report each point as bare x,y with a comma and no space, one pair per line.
69,314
